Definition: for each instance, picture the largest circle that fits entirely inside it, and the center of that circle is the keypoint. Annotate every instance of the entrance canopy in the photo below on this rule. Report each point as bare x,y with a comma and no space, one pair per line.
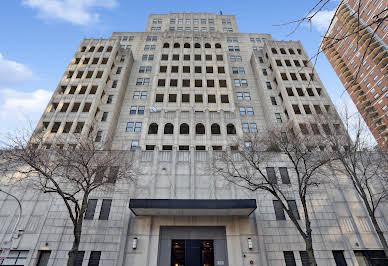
192,207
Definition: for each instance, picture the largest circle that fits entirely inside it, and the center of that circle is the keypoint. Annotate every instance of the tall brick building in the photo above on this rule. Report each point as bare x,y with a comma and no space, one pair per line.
360,60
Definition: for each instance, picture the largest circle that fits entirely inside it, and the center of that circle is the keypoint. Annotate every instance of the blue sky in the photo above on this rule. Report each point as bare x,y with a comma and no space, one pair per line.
39,38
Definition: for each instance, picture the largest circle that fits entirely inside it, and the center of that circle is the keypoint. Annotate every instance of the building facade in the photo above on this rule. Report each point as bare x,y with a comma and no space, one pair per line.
174,95
360,59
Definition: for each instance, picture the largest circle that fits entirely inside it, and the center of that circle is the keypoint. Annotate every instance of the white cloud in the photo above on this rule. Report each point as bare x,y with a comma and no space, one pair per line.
22,106
78,12
321,20
13,72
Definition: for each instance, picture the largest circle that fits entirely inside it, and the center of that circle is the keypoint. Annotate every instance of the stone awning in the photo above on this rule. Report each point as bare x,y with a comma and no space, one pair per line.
192,207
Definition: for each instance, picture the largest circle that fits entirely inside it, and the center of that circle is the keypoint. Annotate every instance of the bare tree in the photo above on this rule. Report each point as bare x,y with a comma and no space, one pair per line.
71,172
365,165
246,168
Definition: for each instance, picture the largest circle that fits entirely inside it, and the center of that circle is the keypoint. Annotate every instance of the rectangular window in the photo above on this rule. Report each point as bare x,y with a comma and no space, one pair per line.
98,136
104,116
284,175
242,111
269,87
279,213
273,100
304,258
253,127
250,111
245,127
79,258
105,209
289,258
134,145
278,118
129,127
138,127
247,96
114,84
43,260
272,179
293,208
90,209
211,98
339,258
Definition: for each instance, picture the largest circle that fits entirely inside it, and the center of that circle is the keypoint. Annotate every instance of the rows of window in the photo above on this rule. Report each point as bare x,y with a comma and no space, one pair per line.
314,129
73,109
93,49
94,258
180,21
94,61
186,83
288,63
283,51
85,74
126,38
83,89
187,98
188,45
66,127
235,48
184,129
187,57
106,203
249,127
293,76
243,96
197,69
188,29
151,38
301,92
257,40
308,110
289,258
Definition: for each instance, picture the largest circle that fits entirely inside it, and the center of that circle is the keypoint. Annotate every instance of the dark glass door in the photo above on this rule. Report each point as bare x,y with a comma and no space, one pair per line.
192,252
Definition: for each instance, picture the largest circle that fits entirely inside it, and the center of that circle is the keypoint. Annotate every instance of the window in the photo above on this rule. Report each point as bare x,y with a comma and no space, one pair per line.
284,175
90,209
185,83
161,83
104,116
242,111
326,129
134,145
219,57
199,129
272,179
224,98
164,57
315,129
98,136
289,258
250,111
339,258
215,129
304,258
303,129
245,127
307,109
211,98
273,100
247,96
265,72
169,129
279,213
197,57
16,257
269,87
172,98
198,98
253,127
44,256
296,109
159,98
278,118
230,129
220,70
114,84
105,210
109,99
184,129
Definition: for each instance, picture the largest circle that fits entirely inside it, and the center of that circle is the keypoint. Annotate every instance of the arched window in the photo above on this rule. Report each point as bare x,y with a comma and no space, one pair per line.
109,49
291,51
168,129
186,45
215,129
91,49
100,49
217,45
166,45
207,45
197,45
230,129
177,45
199,129
184,129
153,129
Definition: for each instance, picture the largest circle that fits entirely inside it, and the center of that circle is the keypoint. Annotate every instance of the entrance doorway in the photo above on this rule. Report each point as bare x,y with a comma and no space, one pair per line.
192,252
192,246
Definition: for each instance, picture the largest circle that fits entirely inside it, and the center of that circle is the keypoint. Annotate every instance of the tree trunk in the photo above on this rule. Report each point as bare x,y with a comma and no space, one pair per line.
74,249
380,233
310,251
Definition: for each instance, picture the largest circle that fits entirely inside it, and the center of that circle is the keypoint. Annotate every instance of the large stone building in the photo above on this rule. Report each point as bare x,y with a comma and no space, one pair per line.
360,59
174,95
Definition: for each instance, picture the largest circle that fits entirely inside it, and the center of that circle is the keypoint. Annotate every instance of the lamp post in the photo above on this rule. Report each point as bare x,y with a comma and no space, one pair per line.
7,244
